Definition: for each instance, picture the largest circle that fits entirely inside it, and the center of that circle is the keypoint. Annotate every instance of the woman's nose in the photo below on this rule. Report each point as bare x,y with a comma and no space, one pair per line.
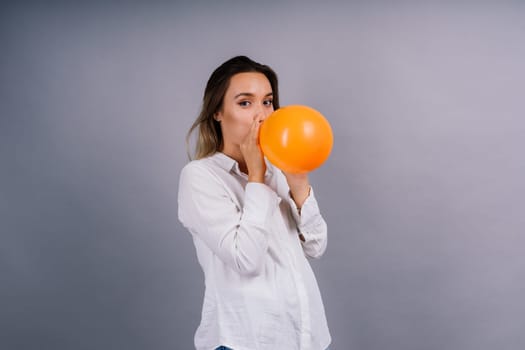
265,113
262,112
259,113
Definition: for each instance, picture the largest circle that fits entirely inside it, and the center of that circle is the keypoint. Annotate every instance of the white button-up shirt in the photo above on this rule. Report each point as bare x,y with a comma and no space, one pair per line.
261,292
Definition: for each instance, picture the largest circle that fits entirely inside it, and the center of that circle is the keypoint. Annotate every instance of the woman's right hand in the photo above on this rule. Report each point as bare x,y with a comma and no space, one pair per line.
252,153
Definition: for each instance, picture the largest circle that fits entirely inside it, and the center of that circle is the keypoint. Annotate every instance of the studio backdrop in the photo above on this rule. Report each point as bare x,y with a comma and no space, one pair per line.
424,192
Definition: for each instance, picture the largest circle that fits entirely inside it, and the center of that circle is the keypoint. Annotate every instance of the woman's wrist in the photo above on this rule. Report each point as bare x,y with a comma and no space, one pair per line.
256,178
299,196
299,187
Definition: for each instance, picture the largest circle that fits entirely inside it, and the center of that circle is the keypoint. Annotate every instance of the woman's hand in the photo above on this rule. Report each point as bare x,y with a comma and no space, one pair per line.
299,187
252,154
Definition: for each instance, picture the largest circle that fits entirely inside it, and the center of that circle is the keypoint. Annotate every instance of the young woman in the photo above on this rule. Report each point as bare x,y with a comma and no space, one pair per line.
253,226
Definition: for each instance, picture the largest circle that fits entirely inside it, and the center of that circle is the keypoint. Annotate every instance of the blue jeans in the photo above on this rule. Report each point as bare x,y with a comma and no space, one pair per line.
225,348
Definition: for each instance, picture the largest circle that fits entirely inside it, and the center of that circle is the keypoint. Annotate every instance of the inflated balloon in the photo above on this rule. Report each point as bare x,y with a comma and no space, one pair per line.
296,139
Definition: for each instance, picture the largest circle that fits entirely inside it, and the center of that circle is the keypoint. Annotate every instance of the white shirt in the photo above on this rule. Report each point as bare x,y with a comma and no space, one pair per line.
261,292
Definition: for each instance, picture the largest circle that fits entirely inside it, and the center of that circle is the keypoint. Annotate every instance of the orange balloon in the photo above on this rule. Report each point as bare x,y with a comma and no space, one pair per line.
296,139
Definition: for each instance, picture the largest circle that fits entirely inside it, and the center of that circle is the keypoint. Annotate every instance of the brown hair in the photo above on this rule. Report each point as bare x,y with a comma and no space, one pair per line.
209,130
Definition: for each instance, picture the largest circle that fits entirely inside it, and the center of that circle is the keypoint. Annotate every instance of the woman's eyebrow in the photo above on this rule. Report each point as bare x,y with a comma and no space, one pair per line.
249,94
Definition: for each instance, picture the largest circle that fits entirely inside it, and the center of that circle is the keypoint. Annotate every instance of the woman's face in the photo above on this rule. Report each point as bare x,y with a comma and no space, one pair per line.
248,97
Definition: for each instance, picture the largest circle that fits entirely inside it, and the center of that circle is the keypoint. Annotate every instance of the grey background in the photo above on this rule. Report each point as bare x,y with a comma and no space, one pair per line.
424,192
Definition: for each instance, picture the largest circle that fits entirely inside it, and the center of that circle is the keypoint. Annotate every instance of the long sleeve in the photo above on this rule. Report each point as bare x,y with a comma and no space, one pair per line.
208,209
311,225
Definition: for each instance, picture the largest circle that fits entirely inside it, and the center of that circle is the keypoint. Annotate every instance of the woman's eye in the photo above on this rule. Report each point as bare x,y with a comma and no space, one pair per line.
244,103
268,102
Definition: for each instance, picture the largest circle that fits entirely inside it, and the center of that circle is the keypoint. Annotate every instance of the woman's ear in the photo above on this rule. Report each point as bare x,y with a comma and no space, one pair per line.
217,116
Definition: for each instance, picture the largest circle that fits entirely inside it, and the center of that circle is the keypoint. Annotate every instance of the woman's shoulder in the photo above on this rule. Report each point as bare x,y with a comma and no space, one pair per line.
195,163
206,166
203,173
195,174
196,166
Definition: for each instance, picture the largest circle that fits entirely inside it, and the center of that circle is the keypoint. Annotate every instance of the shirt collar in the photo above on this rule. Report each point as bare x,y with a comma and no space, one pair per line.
230,164
224,161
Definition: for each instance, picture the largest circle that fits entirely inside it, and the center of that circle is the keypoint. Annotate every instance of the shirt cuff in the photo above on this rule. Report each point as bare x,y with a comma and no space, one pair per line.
308,210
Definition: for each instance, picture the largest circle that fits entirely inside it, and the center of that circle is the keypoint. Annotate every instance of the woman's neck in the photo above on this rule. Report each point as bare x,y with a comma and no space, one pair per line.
235,153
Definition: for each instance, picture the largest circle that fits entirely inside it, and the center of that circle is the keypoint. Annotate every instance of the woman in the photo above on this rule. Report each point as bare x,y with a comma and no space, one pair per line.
252,224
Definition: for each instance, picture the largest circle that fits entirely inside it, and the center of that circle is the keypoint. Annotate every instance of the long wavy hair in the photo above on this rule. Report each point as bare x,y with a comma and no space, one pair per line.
210,138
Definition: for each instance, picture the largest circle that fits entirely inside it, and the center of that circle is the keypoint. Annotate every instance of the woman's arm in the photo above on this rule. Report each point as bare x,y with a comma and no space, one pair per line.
299,188
238,236
305,210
